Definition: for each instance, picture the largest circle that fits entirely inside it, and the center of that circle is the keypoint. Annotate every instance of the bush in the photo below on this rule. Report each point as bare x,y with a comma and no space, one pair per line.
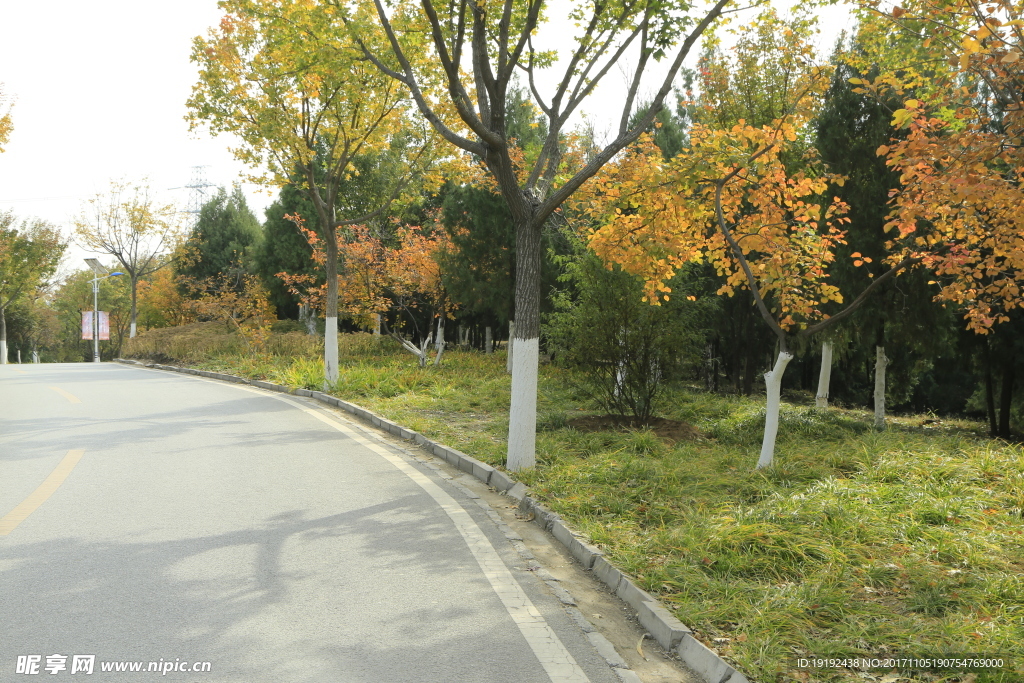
624,348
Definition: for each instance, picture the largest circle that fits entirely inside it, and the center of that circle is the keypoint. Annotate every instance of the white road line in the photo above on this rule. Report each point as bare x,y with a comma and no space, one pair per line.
559,664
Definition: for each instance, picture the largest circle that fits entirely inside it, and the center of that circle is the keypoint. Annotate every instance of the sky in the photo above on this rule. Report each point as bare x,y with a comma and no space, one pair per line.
99,92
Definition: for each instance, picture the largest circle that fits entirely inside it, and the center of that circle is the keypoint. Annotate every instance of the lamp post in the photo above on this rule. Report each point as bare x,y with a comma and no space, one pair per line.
101,274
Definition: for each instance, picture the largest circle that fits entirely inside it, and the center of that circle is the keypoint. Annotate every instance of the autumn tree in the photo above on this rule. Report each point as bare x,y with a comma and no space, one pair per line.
959,159
30,251
6,124
729,200
161,302
399,275
133,227
480,50
286,80
751,201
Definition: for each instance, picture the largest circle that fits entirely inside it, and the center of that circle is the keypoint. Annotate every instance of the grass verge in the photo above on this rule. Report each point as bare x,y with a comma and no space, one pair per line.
857,543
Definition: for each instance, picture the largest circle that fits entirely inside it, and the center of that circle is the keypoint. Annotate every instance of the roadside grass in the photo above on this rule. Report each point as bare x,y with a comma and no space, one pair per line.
905,542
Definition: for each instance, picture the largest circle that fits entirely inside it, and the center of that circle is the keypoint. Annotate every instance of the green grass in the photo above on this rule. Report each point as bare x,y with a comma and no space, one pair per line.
908,541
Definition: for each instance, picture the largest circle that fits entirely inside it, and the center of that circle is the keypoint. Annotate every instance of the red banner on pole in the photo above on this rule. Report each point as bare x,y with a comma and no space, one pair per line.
87,325
104,326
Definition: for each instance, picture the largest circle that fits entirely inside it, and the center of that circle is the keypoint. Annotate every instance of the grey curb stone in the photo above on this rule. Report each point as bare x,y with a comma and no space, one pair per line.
607,572
671,633
517,491
577,616
482,471
706,663
501,481
562,533
627,676
584,553
563,595
631,595
605,648
662,624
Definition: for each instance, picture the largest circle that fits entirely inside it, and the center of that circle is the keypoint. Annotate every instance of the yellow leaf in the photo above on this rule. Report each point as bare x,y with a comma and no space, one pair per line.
882,150
971,45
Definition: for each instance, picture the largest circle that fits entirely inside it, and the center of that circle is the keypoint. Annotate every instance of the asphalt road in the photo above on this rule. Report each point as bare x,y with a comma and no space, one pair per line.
161,519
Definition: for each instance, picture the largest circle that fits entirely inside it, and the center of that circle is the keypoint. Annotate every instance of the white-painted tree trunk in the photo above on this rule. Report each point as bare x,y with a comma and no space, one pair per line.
439,344
773,384
376,324
488,340
19,356
3,352
35,356
330,353
880,362
307,318
824,376
131,334
511,333
522,433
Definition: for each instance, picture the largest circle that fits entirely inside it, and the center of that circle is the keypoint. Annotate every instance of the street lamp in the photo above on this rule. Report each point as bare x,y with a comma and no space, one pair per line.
101,274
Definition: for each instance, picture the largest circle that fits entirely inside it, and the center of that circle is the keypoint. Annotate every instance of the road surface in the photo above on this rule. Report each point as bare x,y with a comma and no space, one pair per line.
226,534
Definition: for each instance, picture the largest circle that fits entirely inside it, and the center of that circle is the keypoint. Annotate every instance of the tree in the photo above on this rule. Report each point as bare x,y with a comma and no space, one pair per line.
284,79
29,256
625,350
6,124
478,49
283,248
128,224
161,302
75,296
223,239
730,201
960,162
402,279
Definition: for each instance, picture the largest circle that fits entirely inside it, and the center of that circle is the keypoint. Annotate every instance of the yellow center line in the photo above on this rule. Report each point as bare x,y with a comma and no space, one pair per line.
69,396
16,516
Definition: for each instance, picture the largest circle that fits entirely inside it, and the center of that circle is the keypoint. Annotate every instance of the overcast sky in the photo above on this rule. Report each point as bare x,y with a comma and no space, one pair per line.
100,90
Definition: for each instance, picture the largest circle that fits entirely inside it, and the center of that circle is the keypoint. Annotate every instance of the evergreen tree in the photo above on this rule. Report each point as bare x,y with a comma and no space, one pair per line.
284,249
223,240
901,317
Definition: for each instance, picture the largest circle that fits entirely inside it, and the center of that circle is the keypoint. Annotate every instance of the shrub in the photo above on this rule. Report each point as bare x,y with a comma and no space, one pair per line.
624,349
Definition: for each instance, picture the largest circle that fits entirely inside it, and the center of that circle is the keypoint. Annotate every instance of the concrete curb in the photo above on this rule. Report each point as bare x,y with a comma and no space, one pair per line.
659,621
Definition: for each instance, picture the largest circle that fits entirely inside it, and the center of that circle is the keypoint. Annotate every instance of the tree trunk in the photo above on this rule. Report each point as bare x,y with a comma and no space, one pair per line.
990,404
511,334
522,427
331,312
488,340
880,362
135,307
825,376
376,324
439,346
3,336
773,385
1006,395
